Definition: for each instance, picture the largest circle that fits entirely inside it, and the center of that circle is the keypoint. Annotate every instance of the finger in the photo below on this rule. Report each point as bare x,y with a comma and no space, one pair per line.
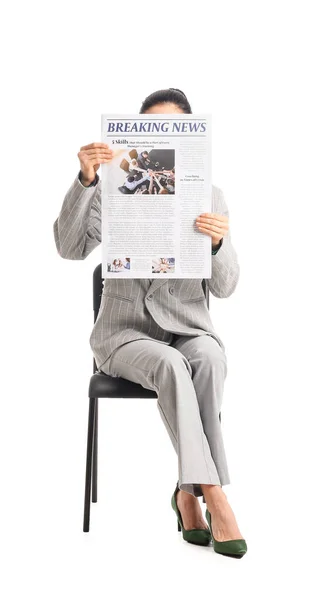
223,223
94,145
216,216
97,161
92,153
216,222
204,230
98,151
94,160
212,229
91,157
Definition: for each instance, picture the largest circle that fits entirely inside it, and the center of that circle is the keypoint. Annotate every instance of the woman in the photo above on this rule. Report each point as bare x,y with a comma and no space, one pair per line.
159,333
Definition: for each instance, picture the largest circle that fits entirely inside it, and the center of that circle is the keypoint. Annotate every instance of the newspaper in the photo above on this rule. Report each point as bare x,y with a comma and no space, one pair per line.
153,189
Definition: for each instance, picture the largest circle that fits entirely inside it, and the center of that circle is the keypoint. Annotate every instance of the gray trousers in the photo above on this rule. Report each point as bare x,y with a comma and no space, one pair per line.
188,376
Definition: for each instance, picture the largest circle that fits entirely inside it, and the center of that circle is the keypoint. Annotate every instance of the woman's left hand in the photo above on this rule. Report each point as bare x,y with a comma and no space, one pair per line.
213,224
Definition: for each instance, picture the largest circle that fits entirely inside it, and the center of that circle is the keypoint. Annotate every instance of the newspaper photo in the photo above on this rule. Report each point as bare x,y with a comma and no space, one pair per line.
153,189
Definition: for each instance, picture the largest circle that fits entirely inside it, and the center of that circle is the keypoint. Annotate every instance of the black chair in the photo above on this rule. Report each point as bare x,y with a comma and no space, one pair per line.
103,386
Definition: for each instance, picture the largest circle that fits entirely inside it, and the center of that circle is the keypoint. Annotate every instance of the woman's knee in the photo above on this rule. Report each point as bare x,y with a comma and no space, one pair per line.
208,354
173,362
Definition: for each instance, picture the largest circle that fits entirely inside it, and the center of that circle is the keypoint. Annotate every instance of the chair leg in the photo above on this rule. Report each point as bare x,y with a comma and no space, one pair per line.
95,455
87,496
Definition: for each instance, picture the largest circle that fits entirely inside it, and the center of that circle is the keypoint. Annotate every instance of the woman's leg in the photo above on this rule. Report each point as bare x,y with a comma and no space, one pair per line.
164,369
208,364
209,369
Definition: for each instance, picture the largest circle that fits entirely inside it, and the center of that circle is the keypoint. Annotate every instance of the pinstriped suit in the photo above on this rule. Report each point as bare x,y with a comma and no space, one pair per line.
147,328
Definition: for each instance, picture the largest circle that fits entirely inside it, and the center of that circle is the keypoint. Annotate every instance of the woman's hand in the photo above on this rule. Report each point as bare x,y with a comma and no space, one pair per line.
213,224
90,157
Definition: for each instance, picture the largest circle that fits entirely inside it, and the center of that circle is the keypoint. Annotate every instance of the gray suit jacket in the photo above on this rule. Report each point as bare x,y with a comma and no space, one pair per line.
134,309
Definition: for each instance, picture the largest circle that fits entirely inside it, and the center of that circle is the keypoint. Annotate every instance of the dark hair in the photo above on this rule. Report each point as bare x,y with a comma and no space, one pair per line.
131,178
172,95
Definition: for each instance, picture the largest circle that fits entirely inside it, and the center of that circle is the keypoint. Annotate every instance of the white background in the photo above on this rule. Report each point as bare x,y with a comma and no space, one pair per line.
250,64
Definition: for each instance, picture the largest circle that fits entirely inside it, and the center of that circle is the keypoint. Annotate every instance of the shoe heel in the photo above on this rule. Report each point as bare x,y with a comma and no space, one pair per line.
179,526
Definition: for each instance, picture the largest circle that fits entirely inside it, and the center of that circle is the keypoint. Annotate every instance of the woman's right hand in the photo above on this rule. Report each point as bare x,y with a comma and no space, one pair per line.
90,157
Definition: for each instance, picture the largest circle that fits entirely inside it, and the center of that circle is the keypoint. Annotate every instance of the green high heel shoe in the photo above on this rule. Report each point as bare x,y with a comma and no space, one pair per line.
234,548
202,537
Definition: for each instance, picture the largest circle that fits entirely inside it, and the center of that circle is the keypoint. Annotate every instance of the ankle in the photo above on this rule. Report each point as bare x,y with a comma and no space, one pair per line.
214,496
185,496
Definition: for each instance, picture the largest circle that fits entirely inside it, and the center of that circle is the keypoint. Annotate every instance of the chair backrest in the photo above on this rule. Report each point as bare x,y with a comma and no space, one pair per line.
125,165
97,289
133,153
97,293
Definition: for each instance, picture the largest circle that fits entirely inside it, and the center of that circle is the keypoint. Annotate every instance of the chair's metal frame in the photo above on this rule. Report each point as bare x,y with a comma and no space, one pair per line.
91,479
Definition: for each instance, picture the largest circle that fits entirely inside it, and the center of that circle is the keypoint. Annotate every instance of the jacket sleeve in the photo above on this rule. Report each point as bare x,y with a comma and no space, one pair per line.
225,266
77,229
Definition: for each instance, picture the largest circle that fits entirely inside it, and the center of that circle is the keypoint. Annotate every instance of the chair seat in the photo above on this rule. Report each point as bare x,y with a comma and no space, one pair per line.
104,386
